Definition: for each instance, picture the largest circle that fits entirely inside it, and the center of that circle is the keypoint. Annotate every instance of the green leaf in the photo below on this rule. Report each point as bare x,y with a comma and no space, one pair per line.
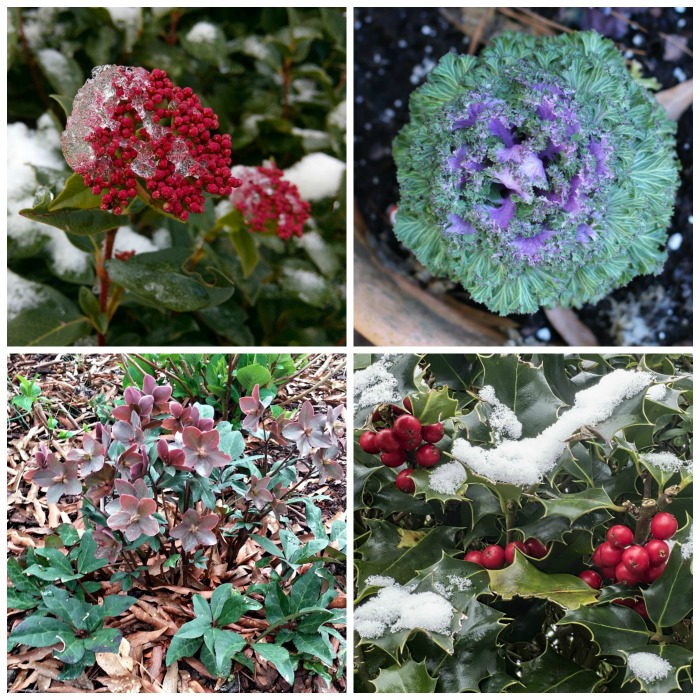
524,580
677,657
269,546
65,102
37,631
235,607
315,646
247,249
670,598
87,561
59,563
115,605
194,628
218,599
276,603
251,375
66,608
62,71
552,673
408,677
226,645
91,308
201,608
73,649
181,647
433,406
68,534
279,657
20,579
305,591
455,371
75,195
19,600
574,505
104,640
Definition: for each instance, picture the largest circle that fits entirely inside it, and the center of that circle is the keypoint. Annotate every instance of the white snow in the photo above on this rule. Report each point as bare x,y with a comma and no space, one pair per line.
656,392
202,33
54,63
312,242
316,175
648,667
304,282
162,238
503,421
375,385
338,116
526,461
127,239
394,608
125,17
21,295
380,581
255,47
687,546
447,478
666,461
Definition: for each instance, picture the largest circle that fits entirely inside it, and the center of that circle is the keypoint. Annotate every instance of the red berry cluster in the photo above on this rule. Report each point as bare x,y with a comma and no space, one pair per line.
128,123
495,557
624,562
402,439
267,197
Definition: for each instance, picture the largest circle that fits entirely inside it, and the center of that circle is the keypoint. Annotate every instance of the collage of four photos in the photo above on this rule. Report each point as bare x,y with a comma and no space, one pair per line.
349,350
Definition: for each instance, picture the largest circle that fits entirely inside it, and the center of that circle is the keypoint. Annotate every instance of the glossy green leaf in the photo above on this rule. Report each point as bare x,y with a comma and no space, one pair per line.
75,195
194,628
433,406
182,647
678,659
60,603
250,375
670,598
115,605
73,649
247,249
279,657
234,607
276,603
104,640
408,677
552,673
201,607
37,631
314,645
575,505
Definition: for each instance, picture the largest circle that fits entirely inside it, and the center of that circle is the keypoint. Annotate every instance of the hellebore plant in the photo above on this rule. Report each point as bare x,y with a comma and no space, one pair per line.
539,174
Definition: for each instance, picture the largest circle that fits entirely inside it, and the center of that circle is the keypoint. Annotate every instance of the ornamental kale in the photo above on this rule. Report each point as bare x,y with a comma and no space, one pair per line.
540,174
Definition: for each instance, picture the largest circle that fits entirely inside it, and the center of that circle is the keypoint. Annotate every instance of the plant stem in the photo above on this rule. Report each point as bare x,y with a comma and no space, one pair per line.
510,513
232,362
103,277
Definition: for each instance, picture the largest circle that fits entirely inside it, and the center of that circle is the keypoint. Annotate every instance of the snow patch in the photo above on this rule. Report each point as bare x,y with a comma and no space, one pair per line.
380,581
304,282
21,295
503,421
316,175
375,384
127,240
338,116
666,461
648,667
447,478
202,33
687,546
656,392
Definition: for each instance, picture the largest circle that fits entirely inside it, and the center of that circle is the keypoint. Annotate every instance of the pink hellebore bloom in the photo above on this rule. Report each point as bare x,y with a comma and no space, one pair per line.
307,432
108,547
135,517
195,530
201,450
58,478
254,409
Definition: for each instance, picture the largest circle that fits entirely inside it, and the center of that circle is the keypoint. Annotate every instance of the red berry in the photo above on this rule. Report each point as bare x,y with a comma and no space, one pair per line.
624,575
636,558
368,443
653,572
657,551
609,554
433,433
404,483
592,578
427,456
407,404
627,602
412,443
494,556
663,526
595,558
641,608
510,550
620,536
377,417
386,441
608,571
535,548
475,556
393,459
406,427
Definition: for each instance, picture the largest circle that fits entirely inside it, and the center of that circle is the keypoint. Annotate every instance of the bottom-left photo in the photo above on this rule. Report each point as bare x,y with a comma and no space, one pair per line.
176,523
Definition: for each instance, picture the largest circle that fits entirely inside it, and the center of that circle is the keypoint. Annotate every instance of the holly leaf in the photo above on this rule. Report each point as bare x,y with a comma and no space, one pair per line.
574,505
677,657
433,406
552,673
670,598
408,677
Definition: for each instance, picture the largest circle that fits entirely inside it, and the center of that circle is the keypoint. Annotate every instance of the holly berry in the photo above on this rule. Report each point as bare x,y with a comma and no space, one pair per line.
627,602
393,459
475,556
592,578
494,556
640,607
377,417
407,404
386,441
368,443
407,427
609,554
433,433
535,548
595,558
624,575
608,571
427,456
657,551
620,536
404,482
636,558
663,526
411,443
510,550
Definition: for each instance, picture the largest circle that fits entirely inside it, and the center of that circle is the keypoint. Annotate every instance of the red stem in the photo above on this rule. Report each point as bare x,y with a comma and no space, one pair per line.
103,276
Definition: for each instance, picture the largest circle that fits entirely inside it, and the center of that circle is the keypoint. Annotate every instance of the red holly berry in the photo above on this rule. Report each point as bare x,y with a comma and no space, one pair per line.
636,558
535,548
407,427
608,571
640,607
433,432
624,575
609,555
475,556
407,404
653,572
627,602
377,417
510,550
620,536
368,443
595,558
494,556
592,578
657,551
427,456
663,526
404,483
412,443
393,459
386,441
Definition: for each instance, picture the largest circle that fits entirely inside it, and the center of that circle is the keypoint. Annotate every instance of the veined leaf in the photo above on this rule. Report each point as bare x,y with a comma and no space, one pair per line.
408,677
279,657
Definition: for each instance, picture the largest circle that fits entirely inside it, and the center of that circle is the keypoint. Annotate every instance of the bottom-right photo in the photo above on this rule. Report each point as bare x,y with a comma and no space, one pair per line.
523,523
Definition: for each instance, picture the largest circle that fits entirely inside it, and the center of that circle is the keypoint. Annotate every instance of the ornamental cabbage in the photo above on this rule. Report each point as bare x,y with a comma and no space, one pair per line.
539,174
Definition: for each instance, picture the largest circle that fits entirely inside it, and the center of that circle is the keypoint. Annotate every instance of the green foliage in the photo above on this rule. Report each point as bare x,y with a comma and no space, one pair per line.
276,79
30,392
533,625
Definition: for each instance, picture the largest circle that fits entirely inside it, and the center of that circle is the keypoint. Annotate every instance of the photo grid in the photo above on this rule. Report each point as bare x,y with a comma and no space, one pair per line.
349,350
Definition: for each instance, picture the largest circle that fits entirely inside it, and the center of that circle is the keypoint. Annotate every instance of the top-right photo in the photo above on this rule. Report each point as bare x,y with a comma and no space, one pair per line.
523,176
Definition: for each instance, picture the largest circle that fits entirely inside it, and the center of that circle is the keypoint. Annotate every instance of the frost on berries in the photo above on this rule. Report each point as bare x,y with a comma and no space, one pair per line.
266,197
128,123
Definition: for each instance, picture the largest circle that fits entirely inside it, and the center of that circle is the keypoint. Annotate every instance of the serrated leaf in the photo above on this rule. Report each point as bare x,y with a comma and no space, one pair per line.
574,505
433,406
305,591
552,673
670,598
276,603
408,677
523,579
677,657
39,631
315,646
68,534
235,607
279,657
19,600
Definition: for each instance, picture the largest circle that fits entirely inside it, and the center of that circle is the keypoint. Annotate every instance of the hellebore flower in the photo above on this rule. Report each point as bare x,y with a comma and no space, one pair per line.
180,418
91,458
307,431
134,517
60,478
258,492
100,483
170,458
134,402
335,423
127,123
266,198
201,450
138,490
328,468
160,394
108,547
195,530
254,409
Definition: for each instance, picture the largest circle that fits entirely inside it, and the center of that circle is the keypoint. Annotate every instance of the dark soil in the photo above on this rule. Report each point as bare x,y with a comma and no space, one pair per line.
395,48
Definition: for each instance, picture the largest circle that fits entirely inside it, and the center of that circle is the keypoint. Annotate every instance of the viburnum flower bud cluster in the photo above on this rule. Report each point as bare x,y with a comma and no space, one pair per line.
539,174
267,197
129,124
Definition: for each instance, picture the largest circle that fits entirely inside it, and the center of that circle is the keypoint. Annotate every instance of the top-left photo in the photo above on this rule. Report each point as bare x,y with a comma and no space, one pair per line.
176,176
